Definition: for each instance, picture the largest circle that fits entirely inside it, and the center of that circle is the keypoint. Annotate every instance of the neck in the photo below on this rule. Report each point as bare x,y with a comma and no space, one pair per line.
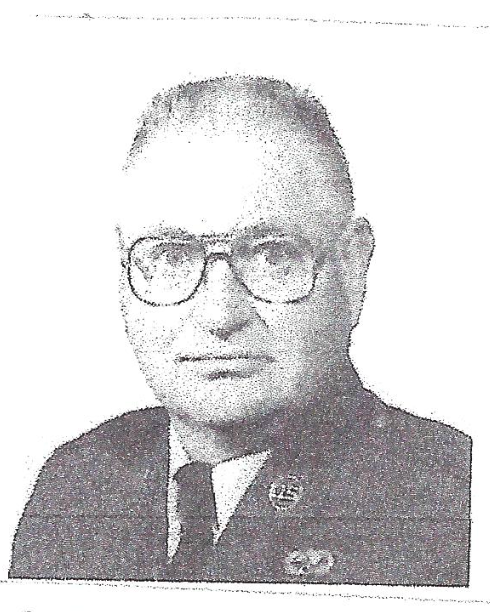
211,443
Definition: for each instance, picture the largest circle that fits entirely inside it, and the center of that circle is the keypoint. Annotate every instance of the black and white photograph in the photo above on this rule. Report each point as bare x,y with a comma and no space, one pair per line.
245,264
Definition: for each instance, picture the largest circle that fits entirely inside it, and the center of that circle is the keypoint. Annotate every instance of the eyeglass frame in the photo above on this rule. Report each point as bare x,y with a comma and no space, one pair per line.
228,241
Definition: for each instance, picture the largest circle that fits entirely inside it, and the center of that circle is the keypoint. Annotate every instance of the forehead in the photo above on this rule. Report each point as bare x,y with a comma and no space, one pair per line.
228,182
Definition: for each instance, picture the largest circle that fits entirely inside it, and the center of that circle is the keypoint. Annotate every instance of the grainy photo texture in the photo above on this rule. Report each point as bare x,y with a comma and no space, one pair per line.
243,274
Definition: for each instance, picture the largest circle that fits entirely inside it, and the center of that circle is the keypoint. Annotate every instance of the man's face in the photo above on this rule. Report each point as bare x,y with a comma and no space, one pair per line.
223,355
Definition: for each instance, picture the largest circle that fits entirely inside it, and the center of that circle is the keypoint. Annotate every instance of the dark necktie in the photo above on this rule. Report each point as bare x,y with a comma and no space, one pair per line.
197,516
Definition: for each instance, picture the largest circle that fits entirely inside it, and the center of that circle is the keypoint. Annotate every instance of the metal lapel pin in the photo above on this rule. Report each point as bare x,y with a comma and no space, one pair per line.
309,562
285,493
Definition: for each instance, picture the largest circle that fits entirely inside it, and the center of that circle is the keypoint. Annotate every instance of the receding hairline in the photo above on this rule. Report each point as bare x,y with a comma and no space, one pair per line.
240,103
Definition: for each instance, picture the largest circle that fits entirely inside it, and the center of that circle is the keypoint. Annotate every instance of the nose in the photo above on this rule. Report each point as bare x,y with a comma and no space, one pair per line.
223,305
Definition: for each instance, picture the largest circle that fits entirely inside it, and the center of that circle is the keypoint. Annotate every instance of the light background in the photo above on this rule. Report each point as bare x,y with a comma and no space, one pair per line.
410,105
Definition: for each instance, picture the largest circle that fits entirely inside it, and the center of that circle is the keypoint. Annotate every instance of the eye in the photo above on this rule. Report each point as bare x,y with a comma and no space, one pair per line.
157,258
174,254
277,253
156,251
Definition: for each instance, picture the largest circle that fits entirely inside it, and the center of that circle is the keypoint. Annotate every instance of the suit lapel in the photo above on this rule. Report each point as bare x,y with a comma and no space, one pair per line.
260,535
311,453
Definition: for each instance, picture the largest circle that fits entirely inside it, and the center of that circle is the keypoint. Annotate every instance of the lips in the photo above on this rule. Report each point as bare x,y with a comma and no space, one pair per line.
222,357
222,366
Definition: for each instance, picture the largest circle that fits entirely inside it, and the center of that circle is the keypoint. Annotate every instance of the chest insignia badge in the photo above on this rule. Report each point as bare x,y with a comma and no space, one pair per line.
285,492
309,562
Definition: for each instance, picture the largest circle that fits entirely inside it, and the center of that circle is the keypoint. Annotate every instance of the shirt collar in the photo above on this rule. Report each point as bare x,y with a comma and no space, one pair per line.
231,479
178,456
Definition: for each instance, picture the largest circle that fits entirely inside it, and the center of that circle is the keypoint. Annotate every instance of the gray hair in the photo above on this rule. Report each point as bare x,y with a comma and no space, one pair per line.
250,101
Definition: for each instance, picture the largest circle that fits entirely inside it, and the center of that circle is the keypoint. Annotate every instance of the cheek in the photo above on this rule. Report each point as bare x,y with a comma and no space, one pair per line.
313,327
150,329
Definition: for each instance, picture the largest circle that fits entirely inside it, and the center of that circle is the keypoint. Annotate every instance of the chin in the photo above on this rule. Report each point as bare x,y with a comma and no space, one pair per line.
222,407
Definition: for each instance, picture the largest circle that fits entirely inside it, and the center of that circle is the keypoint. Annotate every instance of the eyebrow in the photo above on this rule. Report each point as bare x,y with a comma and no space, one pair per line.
262,230
259,230
159,231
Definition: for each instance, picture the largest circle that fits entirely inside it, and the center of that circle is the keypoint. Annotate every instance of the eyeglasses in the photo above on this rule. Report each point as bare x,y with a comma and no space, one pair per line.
168,271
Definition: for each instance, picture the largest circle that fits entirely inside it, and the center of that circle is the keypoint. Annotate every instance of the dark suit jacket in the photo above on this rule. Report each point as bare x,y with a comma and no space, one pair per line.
385,499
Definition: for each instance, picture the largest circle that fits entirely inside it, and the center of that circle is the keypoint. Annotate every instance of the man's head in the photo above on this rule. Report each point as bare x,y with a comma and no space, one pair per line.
244,266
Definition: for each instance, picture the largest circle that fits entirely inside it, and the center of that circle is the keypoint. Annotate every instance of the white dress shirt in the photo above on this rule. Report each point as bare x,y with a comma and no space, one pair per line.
231,479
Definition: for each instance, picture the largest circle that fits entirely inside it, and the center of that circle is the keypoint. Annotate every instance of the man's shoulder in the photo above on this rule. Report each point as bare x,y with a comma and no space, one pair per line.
408,465
373,430
102,460
376,459
119,436
416,438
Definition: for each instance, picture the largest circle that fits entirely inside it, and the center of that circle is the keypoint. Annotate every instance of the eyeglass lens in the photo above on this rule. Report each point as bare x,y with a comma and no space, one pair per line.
164,272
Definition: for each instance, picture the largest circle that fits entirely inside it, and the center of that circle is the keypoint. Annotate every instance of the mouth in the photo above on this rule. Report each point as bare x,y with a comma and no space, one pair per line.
222,366
223,357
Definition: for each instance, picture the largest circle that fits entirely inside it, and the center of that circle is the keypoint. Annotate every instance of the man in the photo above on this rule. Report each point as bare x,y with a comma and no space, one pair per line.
243,276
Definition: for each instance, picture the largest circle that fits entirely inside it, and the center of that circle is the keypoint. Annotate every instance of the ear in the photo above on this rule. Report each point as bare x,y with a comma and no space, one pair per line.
120,242
357,244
